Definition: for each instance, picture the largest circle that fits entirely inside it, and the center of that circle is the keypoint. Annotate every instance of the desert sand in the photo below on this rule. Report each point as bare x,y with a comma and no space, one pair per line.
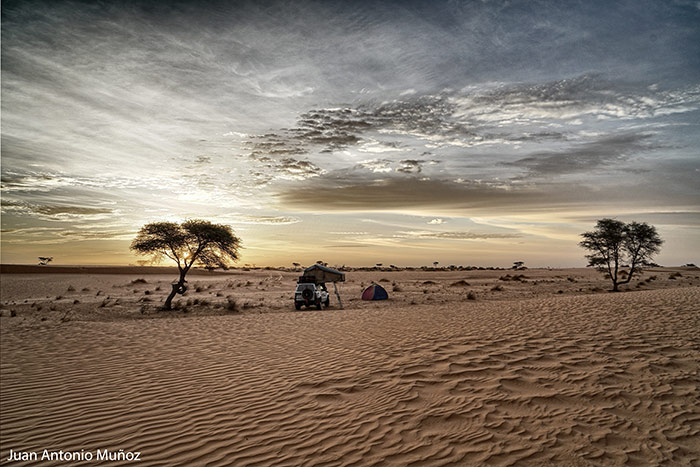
546,369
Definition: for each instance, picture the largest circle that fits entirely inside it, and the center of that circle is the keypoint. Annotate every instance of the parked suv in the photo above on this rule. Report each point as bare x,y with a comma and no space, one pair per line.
310,294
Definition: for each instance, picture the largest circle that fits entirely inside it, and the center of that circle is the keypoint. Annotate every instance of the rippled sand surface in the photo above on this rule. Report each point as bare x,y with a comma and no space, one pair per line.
602,379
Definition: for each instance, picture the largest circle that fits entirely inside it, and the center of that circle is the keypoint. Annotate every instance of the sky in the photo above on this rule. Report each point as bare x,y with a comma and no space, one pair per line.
463,132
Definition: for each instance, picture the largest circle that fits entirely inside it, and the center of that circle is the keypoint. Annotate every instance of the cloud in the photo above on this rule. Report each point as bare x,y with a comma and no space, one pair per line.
265,220
437,221
376,165
406,194
410,166
586,157
46,235
54,212
584,96
453,235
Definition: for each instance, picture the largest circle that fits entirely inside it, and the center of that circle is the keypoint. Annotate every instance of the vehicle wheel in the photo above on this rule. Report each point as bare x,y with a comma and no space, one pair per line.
297,306
328,302
318,306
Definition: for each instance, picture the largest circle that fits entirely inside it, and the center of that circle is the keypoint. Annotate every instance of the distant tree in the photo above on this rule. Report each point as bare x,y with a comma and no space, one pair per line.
296,265
192,242
614,243
517,264
379,265
44,260
435,263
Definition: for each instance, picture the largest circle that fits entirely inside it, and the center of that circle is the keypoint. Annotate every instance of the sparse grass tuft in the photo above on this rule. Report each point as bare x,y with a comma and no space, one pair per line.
232,305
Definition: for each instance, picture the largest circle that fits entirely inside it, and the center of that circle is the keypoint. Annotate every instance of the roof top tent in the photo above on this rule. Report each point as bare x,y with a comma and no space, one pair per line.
323,274
320,274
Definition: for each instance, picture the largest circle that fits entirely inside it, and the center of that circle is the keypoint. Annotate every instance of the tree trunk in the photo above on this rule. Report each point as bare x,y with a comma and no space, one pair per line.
177,287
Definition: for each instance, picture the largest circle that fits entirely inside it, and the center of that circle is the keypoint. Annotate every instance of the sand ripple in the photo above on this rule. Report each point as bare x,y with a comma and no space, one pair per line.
589,380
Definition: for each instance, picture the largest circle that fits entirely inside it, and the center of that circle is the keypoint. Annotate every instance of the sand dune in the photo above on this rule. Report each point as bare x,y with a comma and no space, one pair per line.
601,379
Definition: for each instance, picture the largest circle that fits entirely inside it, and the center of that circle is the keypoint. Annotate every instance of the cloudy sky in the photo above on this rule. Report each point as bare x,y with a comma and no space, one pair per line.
472,132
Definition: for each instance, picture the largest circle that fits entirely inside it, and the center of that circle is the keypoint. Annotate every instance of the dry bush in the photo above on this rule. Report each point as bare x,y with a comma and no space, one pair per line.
232,305
460,283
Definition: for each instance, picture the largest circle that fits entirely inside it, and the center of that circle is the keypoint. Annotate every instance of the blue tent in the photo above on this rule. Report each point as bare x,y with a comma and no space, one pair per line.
375,292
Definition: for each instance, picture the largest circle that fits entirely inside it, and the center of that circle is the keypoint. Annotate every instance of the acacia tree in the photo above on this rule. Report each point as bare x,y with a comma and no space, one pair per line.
614,244
192,242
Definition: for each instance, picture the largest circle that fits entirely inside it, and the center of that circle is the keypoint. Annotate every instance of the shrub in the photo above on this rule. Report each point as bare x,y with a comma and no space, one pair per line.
232,305
70,289
471,295
497,288
139,281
